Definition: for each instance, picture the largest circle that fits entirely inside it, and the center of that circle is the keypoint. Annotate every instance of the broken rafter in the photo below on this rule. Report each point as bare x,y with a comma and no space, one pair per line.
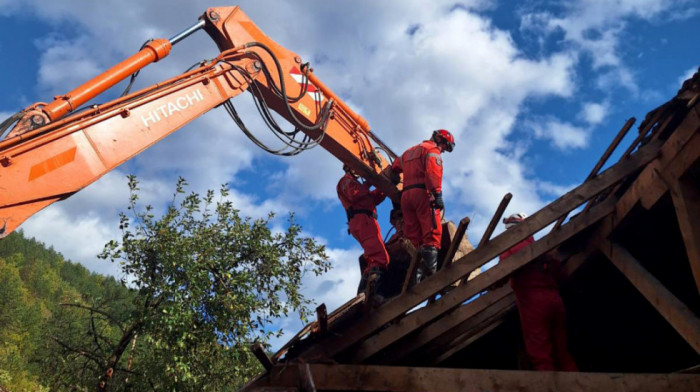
495,219
603,159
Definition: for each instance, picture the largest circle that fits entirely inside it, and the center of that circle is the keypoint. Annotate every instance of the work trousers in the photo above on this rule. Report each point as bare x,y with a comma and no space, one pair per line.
543,321
366,231
421,224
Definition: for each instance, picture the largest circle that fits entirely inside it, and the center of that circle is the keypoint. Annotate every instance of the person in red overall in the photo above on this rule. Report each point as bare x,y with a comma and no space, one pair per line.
421,199
360,204
541,309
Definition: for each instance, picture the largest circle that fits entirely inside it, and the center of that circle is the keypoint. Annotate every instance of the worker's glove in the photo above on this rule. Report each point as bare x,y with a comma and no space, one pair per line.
437,202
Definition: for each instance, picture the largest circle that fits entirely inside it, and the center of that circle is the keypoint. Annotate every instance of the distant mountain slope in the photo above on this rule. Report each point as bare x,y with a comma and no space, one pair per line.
34,280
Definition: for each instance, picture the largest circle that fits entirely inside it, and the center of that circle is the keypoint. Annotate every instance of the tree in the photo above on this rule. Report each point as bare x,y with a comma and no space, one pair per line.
207,283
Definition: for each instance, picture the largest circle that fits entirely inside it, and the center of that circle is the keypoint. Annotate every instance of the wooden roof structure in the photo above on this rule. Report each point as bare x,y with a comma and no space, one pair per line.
632,267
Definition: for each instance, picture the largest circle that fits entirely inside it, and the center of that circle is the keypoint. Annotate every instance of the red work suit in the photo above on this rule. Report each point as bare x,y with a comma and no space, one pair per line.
360,204
421,166
542,313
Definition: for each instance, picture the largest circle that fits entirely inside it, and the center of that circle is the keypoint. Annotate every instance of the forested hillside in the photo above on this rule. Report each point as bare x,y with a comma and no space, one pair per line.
37,288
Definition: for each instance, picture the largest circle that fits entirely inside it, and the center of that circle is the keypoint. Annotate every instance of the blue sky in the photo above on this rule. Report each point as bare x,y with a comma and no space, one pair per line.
534,92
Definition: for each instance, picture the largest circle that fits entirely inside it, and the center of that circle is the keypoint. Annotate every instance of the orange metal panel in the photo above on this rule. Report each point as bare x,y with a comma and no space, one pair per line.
52,163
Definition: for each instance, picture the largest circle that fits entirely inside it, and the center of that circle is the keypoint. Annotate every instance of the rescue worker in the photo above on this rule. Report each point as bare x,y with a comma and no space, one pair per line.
360,204
541,309
421,199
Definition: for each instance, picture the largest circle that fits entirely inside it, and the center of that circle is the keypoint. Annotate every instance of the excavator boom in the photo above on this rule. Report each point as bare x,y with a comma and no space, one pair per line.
50,154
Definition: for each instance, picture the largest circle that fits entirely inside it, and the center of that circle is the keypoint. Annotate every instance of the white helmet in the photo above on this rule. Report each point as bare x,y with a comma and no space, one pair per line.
514,219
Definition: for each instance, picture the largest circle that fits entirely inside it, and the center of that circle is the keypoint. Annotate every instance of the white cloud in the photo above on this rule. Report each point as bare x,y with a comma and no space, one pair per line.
563,135
594,113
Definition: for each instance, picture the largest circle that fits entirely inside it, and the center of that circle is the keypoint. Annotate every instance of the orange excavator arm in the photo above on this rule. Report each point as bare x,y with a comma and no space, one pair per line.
50,153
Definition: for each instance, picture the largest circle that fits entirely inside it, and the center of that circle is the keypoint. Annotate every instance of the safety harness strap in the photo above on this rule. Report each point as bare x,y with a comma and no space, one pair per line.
414,186
351,212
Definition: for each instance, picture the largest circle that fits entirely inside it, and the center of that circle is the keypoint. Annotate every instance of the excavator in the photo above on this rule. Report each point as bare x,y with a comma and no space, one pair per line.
49,151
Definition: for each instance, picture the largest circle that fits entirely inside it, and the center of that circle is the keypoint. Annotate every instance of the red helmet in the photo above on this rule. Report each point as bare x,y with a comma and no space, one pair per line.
443,135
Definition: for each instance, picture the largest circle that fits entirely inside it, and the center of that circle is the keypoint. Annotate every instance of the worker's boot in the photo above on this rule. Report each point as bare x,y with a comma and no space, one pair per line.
370,284
428,263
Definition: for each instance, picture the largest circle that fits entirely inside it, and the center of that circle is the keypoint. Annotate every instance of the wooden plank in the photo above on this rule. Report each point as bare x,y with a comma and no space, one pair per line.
347,308
458,244
680,135
603,159
457,241
676,155
683,320
334,377
261,355
495,219
322,318
569,267
612,147
470,326
411,272
398,306
647,125
686,200
307,379
470,337
446,328
481,282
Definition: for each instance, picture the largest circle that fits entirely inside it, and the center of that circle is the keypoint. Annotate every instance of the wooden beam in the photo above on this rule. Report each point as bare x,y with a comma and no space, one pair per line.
261,355
408,379
682,319
686,200
399,305
467,328
345,311
448,327
456,339
458,295
456,241
679,137
470,337
458,321
611,148
322,317
604,158
456,344
657,114
411,272
495,219
307,379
